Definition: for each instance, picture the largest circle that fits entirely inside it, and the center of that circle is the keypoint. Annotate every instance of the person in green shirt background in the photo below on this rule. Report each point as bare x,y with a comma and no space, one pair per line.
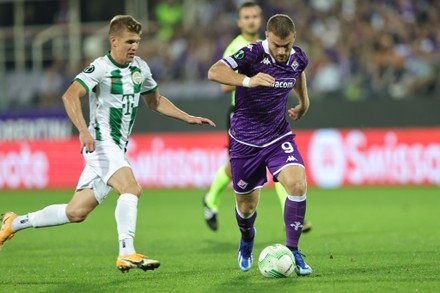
249,20
169,14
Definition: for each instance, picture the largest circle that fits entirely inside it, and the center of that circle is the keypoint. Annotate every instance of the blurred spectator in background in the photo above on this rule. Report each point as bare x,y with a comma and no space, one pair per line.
358,50
51,86
169,15
328,77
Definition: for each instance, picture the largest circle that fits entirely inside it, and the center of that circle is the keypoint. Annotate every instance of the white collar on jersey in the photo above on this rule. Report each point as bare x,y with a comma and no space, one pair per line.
266,50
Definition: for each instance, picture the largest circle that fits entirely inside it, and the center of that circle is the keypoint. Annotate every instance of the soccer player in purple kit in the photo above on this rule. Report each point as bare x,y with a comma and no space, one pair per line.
260,133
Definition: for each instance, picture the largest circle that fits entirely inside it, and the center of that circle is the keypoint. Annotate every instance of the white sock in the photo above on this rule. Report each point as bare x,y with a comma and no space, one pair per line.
20,223
52,215
126,214
297,198
126,247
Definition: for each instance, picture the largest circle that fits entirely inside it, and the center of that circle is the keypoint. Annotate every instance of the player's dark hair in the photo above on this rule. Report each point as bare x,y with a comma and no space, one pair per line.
281,25
119,23
246,5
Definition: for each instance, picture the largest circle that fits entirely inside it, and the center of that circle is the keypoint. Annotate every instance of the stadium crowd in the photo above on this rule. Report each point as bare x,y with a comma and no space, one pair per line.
358,50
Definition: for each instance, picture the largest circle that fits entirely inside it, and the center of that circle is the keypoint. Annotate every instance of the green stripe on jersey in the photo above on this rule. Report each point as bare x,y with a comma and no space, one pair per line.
98,131
115,124
116,81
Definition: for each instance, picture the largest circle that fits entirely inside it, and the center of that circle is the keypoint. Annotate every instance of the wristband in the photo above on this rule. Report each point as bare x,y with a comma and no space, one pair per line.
246,81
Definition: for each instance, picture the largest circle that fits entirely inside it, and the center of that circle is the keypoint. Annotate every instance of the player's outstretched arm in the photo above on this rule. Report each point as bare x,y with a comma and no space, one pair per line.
223,74
72,103
162,105
303,98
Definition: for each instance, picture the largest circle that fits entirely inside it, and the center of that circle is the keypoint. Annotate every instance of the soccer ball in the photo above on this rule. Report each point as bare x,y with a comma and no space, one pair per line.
276,261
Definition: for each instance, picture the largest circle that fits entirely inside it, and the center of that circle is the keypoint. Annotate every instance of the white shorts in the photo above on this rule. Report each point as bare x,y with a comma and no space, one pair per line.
100,166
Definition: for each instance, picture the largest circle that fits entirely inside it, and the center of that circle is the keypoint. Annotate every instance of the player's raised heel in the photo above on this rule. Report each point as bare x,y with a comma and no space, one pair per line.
6,231
301,268
210,216
307,226
245,254
136,260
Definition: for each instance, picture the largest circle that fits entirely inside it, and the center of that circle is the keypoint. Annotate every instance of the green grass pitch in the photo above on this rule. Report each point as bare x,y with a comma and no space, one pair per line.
363,240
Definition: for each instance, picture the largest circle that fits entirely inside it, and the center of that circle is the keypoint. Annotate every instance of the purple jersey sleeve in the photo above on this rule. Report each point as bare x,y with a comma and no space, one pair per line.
302,58
243,59
260,113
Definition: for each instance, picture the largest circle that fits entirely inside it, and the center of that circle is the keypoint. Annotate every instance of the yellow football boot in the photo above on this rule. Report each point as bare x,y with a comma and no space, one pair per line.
136,260
6,231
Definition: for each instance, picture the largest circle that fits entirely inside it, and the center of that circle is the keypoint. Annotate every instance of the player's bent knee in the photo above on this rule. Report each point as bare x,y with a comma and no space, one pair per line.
132,188
135,189
138,190
296,187
247,209
76,216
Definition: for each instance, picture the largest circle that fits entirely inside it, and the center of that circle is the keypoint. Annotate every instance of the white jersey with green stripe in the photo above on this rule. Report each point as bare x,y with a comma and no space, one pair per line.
236,44
114,92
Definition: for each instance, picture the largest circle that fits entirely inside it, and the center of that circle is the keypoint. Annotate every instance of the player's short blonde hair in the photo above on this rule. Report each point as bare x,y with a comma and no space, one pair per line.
119,23
280,25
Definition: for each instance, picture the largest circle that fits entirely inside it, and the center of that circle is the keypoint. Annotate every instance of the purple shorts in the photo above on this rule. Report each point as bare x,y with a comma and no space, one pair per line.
249,163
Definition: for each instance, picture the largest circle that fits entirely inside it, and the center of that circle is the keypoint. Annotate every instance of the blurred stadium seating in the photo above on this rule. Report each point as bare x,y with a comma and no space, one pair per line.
359,50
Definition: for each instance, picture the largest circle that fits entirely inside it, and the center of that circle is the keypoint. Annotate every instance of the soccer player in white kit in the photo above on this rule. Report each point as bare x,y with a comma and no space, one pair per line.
114,83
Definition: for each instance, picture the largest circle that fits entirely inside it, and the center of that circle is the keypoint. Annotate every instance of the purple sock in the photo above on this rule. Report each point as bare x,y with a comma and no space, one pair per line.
246,226
294,212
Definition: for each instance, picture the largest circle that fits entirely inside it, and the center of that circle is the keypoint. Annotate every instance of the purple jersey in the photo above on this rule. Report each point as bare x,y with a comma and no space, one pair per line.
260,113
